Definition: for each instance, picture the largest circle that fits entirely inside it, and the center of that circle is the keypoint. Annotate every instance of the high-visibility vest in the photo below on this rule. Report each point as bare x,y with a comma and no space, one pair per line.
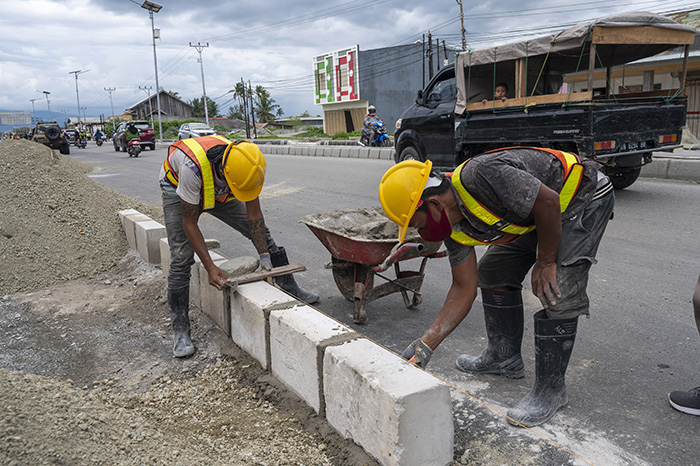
573,174
196,150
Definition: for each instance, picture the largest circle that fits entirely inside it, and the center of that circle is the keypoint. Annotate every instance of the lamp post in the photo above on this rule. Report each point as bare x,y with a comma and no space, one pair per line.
33,110
76,73
150,107
48,103
65,118
155,8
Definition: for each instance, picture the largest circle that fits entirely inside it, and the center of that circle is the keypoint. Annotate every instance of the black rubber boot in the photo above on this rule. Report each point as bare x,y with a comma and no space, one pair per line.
503,313
179,305
554,342
287,282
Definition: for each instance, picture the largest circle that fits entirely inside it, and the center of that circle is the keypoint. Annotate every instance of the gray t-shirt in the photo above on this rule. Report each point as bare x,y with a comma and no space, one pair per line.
189,187
507,183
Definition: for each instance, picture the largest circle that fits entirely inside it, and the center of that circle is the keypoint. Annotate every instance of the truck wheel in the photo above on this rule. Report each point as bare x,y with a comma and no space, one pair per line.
622,179
410,153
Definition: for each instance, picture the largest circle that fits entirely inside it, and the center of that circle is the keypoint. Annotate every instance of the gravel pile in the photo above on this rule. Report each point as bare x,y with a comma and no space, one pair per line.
86,371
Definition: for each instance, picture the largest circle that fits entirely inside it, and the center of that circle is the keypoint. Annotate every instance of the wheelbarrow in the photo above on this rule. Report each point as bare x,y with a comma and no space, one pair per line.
363,243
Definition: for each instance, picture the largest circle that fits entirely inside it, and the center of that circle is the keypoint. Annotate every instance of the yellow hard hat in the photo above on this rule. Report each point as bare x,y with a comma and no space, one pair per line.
244,169
400,190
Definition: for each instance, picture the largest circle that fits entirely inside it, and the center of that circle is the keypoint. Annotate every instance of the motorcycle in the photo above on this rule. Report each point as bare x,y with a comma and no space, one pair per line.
381,139
81,143
134,148
99,140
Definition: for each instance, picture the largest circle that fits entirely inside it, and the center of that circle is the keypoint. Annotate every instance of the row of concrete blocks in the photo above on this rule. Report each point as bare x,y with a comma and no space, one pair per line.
357,152
396,412
674,168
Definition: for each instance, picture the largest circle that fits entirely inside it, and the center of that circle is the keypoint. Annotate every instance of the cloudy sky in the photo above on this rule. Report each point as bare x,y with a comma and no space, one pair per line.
269,42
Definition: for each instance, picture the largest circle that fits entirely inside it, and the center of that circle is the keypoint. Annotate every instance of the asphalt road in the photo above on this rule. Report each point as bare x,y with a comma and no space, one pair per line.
639,344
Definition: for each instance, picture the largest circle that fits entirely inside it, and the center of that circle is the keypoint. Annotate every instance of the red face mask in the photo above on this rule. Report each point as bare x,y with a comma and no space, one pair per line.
436,231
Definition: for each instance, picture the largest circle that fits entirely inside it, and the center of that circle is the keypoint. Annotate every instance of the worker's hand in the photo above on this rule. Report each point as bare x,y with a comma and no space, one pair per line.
544,283
265,261
418,353
217,277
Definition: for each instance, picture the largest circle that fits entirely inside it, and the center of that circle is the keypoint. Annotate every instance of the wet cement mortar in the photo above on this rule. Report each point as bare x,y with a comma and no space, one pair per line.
87,375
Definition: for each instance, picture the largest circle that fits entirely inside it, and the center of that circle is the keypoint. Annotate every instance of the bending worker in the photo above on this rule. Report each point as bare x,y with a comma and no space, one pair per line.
538,209
214,175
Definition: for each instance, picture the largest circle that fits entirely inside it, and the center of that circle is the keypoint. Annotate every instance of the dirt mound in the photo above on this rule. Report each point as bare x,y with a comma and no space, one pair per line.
86,371
56,224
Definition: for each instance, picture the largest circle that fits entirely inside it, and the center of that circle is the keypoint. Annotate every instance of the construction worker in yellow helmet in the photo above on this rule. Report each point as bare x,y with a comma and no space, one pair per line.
213,175
538,210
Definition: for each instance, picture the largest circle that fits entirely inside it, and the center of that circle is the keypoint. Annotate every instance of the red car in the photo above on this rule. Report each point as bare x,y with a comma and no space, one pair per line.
147,136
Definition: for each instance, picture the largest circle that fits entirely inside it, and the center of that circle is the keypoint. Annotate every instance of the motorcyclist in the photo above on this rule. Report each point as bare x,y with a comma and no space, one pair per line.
368,130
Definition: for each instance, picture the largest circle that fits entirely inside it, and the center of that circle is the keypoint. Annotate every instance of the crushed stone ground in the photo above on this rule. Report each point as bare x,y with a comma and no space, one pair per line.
86,371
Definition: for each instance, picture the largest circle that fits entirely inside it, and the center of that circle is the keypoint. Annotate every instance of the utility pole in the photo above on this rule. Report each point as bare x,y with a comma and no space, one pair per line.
464,31
110,89
199,47
33,110
423,45
65,118
245,109
84,116
430,56
252,111
150,108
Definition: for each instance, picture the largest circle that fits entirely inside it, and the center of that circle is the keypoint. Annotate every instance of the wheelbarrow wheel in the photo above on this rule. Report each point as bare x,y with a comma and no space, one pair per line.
344,276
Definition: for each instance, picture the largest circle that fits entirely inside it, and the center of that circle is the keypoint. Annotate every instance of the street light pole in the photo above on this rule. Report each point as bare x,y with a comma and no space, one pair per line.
48,104
199,47
33,110
65,118
155,8
76,73
110,89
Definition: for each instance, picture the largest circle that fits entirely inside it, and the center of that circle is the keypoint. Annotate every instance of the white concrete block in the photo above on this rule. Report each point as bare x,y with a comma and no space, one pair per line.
398,413
213,302
124,213
298,338
129,223
164,256
250,307
195,294
148,235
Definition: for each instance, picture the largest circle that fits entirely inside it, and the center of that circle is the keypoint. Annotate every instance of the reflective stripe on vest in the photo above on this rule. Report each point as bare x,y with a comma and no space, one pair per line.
573,174
196,150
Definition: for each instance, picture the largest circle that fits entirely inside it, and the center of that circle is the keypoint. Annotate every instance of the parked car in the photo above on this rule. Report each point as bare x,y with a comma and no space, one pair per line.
146,135
194,130
50,135
71,135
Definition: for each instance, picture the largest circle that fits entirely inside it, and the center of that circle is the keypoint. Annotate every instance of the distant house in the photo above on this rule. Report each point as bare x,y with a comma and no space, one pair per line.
171,108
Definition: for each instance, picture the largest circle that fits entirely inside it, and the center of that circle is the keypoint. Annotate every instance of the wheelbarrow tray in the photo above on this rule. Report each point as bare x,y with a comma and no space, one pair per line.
363,236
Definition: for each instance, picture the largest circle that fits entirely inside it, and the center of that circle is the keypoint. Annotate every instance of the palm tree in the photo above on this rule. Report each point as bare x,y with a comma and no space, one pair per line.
265,107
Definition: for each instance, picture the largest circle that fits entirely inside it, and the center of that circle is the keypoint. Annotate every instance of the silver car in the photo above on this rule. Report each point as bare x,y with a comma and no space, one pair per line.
194,130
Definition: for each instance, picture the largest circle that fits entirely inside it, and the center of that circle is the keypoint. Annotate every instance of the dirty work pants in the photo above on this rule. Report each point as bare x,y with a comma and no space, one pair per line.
506,265
232,213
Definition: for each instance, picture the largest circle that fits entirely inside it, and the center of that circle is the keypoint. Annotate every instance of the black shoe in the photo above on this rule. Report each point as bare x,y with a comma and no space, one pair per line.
287,282
686,402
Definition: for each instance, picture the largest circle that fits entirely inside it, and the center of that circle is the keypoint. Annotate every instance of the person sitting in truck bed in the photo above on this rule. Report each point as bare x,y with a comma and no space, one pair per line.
500,94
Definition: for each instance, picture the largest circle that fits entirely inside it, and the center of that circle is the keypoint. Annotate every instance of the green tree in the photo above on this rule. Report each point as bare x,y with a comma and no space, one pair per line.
265,107
236,111
175,94
198,107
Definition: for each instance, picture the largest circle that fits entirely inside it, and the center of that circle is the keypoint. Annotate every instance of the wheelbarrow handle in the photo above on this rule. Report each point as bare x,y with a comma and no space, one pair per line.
401,252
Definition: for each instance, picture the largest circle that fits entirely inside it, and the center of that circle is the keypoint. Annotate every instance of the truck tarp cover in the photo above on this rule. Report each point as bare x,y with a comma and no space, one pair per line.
563,50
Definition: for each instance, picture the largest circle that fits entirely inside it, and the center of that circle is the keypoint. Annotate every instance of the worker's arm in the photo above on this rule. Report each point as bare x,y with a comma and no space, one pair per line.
547,214
457,304
190,215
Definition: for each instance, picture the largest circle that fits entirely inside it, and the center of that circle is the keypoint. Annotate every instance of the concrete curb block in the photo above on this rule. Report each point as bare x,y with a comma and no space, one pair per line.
142,234
398,413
